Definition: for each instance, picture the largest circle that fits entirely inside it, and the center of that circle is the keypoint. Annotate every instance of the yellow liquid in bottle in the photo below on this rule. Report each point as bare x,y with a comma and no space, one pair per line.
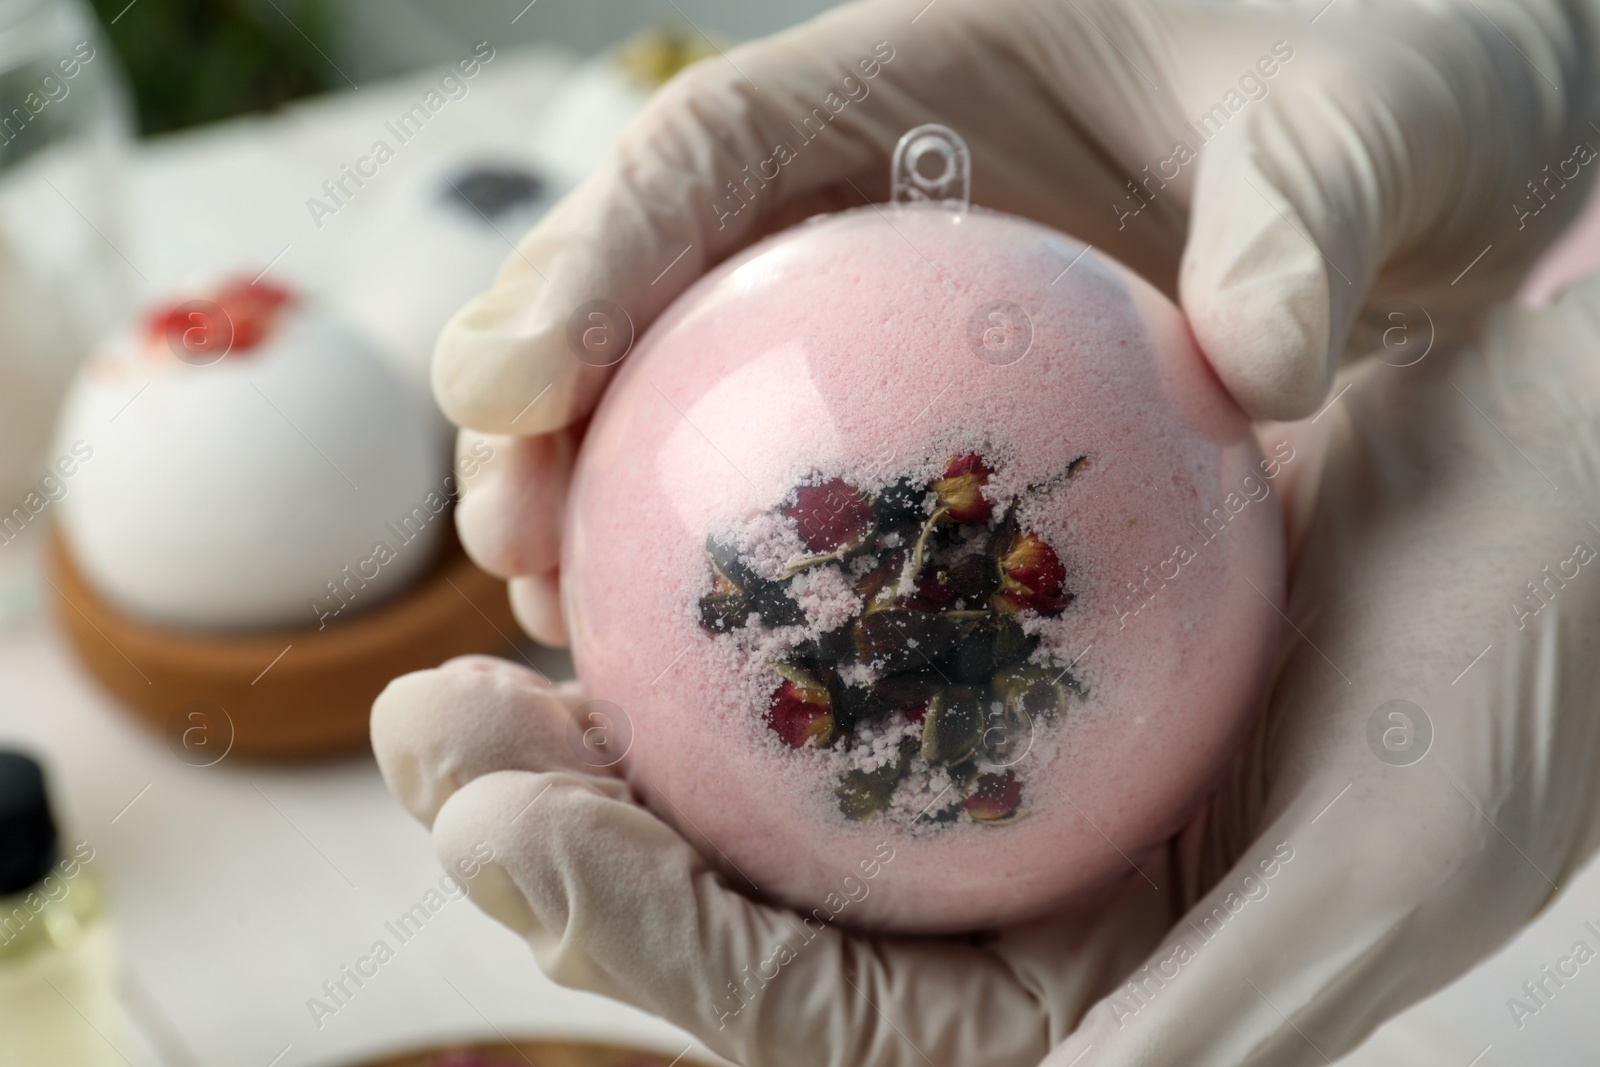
58,1007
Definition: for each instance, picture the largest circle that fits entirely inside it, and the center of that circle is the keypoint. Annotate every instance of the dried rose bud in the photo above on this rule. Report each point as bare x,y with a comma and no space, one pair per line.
252,306
953,725
932,592
973,578
1031,575
960,491
882,576
996,641
895,639
909,693
995,798
801,709
831,516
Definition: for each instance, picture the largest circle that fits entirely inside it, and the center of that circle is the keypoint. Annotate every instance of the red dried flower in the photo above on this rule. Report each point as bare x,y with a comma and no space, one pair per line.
960,491
253,307
1031,575
994,798
235,318
801,711
830,516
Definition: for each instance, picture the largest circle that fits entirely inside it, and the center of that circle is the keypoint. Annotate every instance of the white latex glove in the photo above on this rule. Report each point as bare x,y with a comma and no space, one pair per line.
1324,888
1389,151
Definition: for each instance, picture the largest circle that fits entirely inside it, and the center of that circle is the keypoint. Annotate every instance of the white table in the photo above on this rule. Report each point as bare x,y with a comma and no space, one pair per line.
239,889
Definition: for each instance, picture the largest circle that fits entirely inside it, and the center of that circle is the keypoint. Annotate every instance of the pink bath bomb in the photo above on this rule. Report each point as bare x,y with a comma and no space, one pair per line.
924,567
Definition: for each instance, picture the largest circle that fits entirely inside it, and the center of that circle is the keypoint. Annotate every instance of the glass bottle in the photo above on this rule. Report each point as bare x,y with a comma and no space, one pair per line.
57,995
64,278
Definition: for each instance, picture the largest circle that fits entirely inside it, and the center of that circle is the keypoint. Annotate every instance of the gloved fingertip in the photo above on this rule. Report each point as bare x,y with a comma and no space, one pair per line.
509,521
1260,296
554,843
473,838
1266,337
433,731
536,603
398,728
501,364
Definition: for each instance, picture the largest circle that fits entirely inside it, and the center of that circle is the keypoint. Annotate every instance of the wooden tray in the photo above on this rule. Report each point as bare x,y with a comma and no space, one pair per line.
280,694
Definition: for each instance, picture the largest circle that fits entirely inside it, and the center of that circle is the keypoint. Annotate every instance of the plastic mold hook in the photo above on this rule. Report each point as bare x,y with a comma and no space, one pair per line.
932,165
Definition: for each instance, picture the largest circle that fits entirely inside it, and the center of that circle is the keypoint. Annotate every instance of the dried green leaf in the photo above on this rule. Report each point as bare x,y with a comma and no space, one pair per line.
954,725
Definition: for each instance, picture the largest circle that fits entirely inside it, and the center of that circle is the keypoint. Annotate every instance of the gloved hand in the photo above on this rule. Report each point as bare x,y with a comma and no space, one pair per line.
1271,165
1444,554
1363,164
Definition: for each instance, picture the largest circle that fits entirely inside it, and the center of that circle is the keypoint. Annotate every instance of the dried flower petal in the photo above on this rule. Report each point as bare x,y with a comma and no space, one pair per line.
995,798
894,639
246,312
826,650
973,578
801,709
909,693
880,577
960,491
1035,691
725,562
831,516
997,641
1031,577
953,725
721,612
771,600
865,793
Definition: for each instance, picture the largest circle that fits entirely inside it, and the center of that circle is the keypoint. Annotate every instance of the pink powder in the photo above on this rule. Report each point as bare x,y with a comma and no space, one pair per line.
853,347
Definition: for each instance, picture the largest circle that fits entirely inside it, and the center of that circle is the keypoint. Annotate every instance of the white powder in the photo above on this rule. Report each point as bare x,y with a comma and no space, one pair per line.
925,799
827,596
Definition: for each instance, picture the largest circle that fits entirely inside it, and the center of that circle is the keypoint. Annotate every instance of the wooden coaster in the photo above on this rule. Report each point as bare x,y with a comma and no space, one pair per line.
279,694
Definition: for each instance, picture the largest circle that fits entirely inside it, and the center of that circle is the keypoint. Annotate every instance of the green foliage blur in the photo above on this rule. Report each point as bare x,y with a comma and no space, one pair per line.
194,61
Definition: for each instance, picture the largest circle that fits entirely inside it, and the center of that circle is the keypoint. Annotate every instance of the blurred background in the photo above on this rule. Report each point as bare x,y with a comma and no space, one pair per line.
194,61
218,295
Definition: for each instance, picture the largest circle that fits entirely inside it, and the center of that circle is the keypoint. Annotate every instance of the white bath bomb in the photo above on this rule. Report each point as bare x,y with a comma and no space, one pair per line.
433,245
245,460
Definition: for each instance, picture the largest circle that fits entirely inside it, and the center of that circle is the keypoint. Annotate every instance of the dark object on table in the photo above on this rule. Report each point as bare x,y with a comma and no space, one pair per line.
27,831
492,190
